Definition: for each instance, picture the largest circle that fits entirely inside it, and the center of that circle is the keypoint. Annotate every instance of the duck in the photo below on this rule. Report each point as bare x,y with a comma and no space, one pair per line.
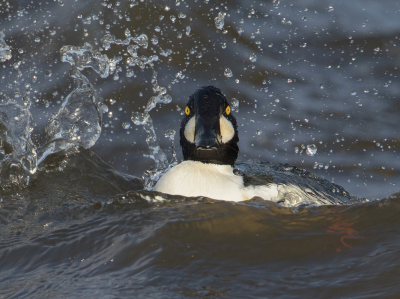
209,140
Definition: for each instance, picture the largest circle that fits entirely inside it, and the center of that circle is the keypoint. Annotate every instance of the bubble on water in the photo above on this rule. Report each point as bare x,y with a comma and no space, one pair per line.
311,150
228,73
235,105
5,50
253,57
219,20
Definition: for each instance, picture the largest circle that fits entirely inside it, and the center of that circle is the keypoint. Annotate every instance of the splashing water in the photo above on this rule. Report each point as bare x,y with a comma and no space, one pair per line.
144,119
19,160
65,130
5,50
170,134
78,122
86,57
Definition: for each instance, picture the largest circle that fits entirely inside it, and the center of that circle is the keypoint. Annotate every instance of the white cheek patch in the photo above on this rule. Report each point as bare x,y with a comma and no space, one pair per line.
189,130
227,129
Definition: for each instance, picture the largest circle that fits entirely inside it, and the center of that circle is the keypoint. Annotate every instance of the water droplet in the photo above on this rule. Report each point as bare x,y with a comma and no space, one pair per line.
180,75
259,132
253,57
140,118
353,93
321,86
130,73
126,125
311,150
37,39
188,29
170,134
235,105
330,8
219,20
228,73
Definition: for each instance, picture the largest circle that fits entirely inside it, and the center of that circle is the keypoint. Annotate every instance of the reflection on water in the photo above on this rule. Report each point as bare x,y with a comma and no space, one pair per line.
316,87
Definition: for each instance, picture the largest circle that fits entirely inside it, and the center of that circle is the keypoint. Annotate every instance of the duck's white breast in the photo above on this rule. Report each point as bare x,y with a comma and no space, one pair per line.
193,178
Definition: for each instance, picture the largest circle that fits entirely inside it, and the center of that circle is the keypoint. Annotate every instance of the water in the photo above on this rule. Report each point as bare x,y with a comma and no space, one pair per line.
90,89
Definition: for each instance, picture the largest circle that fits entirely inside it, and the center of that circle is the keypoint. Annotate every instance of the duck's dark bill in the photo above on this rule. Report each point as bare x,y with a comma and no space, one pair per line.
207,131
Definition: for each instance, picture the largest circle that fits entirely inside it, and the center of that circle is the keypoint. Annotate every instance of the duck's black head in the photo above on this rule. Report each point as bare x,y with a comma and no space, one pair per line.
209,131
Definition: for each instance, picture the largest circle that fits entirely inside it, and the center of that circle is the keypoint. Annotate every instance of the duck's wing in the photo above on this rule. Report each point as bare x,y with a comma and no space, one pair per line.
294,185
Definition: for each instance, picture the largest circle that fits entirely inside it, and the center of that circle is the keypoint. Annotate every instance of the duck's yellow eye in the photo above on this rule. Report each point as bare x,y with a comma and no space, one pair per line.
228,110
187,110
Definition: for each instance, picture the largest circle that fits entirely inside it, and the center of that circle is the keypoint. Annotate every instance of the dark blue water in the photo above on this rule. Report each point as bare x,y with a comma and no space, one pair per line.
322,73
